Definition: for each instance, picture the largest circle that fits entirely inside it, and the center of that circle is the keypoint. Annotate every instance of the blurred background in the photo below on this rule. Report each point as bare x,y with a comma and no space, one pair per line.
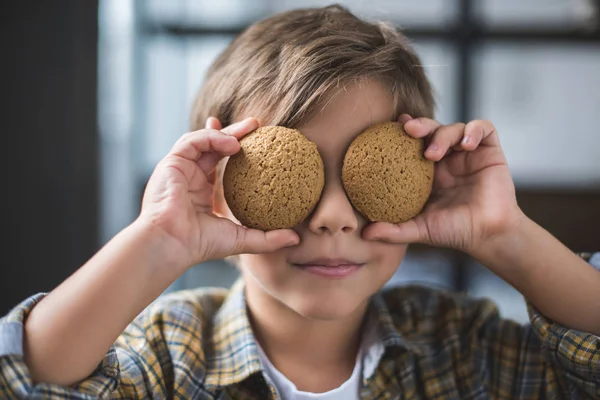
96,92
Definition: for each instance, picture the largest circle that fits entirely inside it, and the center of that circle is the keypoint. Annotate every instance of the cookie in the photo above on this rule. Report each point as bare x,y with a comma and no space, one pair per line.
275,180
385,175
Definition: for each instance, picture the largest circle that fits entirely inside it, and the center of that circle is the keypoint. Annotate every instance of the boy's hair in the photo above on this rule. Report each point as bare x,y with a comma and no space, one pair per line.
284,68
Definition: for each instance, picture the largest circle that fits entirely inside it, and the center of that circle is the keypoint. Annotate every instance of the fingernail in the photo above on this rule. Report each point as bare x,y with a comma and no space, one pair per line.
466,139
236,125
239,123
433,148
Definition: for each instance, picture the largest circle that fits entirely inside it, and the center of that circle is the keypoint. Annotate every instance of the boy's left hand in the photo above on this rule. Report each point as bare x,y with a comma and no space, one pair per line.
473,195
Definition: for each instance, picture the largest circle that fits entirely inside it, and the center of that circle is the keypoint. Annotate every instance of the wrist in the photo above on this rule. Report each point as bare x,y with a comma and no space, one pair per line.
165,251
505,249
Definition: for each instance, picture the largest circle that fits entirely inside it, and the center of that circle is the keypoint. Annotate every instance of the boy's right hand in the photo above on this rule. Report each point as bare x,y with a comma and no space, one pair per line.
178,199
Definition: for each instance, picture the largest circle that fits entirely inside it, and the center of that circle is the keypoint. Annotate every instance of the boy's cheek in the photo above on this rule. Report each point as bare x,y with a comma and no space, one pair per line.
388,253
269,269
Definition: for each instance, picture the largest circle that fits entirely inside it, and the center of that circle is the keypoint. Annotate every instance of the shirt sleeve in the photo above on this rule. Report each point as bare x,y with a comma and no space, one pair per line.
541,360
129,370
573,352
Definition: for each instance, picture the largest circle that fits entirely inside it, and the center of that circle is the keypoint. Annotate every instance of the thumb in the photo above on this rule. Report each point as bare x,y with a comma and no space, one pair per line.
404,233
255,241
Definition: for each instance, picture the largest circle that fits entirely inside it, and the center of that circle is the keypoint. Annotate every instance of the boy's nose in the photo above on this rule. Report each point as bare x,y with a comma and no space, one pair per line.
334,212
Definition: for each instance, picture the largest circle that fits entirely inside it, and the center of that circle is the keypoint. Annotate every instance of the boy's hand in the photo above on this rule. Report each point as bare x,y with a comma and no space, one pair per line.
473,195
179,199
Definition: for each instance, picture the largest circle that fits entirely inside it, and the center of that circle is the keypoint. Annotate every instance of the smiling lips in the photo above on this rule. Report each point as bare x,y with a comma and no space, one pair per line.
330,267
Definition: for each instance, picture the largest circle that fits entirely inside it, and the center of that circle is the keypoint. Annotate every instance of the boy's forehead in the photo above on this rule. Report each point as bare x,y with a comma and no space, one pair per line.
348,112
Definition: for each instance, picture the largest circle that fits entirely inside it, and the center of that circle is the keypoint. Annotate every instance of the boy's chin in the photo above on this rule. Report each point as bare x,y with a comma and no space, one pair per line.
325,309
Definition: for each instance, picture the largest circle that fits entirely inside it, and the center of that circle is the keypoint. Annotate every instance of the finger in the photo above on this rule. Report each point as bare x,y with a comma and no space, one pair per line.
213,123
208,163
421,127
192,145
405,233
444,139
241,128
210,159
477,132
254,241
404,118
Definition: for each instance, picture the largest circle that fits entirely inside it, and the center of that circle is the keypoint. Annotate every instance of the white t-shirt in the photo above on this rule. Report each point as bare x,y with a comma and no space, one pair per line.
349,390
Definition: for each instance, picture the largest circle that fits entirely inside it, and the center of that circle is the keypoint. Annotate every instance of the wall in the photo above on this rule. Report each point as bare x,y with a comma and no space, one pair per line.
50,202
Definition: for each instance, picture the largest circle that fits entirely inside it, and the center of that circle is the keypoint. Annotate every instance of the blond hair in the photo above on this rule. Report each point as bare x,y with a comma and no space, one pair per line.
285,68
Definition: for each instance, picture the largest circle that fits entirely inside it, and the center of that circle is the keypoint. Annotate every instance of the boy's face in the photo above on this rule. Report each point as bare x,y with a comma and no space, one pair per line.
332,234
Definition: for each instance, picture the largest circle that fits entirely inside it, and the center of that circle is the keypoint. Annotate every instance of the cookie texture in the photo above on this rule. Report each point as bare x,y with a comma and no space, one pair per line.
385,175
275,180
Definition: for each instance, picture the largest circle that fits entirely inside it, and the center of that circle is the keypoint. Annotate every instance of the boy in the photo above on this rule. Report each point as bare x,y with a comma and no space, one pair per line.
282,332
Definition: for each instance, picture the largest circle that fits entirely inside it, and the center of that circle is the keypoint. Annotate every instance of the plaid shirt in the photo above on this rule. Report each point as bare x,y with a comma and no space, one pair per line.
198,344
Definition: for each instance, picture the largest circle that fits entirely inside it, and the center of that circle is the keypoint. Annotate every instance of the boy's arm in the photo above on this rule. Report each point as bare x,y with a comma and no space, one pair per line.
560,284
70,331
473,208
543,359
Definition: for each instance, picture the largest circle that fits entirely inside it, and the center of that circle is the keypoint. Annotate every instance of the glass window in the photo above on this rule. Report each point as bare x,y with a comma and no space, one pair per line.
205,13
556,14
439,61
406,13
544,100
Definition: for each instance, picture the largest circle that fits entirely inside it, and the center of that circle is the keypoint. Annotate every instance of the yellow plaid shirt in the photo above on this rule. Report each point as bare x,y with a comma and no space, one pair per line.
198,344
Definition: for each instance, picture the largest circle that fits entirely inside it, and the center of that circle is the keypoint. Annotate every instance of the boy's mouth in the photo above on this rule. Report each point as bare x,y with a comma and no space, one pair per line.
330,267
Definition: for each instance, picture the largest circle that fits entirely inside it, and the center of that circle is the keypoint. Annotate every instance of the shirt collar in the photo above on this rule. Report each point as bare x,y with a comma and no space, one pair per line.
234,354
235,357
381,332
395,330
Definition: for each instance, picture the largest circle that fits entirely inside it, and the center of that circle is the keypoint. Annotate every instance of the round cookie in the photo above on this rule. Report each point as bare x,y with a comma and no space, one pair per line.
275,180
385,175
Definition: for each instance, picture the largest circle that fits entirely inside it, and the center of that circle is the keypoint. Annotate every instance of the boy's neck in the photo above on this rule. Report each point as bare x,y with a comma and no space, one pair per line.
316,355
